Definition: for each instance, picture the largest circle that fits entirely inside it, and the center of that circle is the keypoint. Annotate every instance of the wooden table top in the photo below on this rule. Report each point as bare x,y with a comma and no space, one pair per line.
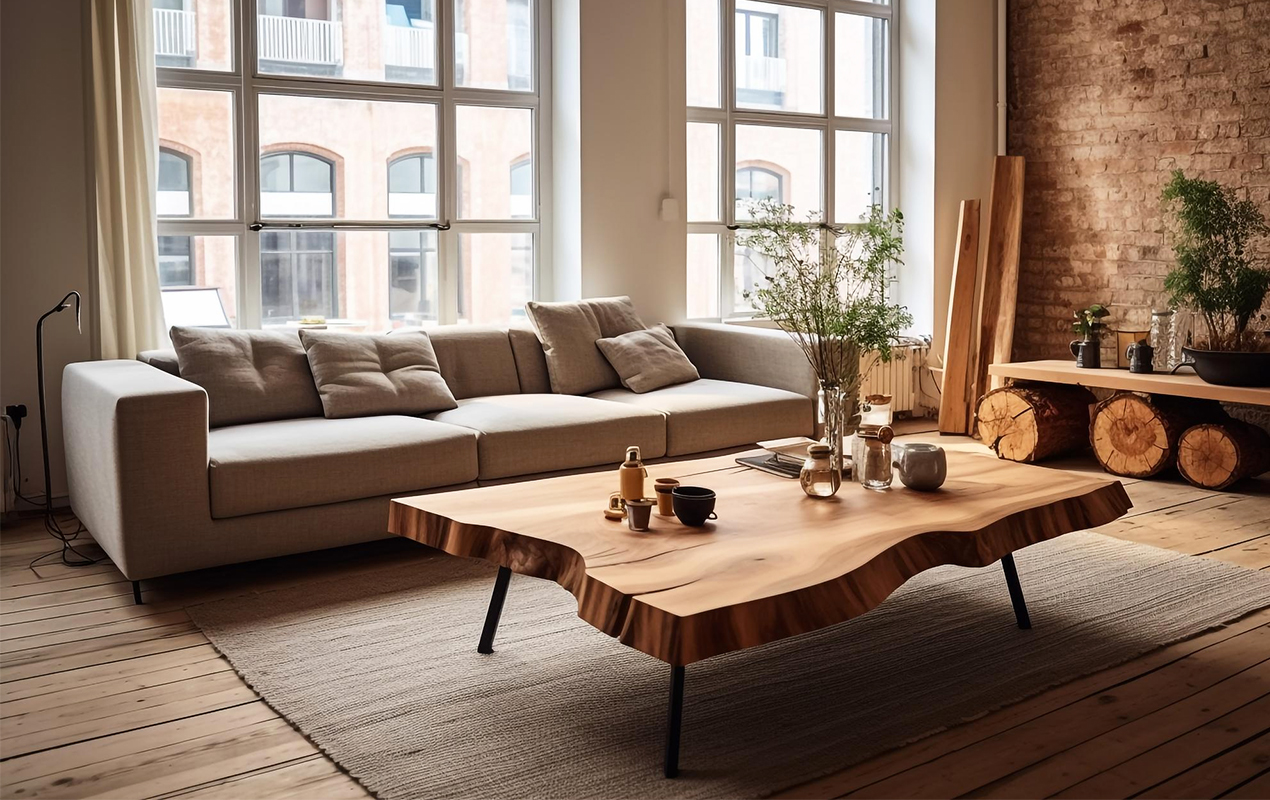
1183,384
775,564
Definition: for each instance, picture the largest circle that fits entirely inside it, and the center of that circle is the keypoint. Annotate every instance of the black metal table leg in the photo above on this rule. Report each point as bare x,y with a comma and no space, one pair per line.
1016,591
674,718
495,610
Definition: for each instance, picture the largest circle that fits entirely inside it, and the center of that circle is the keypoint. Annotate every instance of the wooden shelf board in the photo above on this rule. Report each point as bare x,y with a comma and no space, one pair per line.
1180,385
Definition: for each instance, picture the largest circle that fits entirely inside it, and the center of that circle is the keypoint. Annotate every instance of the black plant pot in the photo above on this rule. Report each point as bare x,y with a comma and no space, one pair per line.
1088,356
1233,368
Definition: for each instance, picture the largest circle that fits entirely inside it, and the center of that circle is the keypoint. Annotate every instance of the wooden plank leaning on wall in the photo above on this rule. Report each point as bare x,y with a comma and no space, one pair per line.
956,405
1001,271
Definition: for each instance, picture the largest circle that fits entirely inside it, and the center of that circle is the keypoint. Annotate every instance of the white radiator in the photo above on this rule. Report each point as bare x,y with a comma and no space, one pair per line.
900,377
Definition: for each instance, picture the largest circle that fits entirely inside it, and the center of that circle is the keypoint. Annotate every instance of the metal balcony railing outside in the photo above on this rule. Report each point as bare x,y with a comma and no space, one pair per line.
300,41
174,33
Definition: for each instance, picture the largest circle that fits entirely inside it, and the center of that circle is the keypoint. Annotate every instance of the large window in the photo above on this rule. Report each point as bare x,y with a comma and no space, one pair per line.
789,102
374,162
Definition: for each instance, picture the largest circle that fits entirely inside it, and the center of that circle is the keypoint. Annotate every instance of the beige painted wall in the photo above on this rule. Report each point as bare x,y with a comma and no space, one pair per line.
44,245
948,123
965,131
632,131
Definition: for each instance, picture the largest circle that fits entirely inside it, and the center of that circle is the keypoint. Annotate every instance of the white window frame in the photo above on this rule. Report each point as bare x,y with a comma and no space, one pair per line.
728,116
246,85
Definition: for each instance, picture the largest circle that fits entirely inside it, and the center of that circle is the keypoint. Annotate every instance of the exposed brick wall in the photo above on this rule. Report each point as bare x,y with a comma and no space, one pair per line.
1106,98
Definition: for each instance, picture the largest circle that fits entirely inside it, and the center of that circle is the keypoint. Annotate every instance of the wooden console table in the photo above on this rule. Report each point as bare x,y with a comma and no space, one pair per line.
1153,422
1181,385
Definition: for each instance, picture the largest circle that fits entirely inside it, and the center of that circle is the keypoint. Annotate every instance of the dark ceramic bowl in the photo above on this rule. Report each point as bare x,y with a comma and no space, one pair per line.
693,505
1229,368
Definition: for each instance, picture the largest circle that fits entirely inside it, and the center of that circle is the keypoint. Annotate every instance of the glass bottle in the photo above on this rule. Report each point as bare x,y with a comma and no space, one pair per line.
1161,324
818,477
857,450
876,473
1181,331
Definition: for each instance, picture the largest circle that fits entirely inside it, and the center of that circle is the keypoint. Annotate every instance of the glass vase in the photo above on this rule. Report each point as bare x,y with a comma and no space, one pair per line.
837,411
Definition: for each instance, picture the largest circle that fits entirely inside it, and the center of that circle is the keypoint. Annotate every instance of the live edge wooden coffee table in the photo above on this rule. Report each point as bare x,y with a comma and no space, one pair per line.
774,565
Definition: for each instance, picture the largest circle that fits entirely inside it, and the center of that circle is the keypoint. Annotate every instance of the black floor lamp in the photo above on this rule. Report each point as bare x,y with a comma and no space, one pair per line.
50,521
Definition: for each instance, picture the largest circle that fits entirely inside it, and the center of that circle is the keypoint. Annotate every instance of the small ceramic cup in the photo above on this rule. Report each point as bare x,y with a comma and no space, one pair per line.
665,501
638,513
922,466
693,505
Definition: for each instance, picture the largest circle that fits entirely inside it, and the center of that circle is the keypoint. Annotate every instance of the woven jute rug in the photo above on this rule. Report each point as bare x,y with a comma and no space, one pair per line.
380,670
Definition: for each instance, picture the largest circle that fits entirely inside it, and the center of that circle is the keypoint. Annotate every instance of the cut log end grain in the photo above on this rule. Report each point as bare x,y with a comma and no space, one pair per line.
1215,455
1136,436
1031,422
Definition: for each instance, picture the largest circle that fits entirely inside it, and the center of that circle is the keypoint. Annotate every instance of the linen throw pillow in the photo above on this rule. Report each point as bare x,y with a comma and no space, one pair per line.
359,375
569,331
648,359
249,376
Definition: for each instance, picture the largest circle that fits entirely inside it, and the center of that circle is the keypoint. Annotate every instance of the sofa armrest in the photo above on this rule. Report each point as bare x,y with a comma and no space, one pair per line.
136,459
747,355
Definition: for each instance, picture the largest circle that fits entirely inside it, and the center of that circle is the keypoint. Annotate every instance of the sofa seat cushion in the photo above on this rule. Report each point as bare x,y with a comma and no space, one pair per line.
294,463
522,434
709,415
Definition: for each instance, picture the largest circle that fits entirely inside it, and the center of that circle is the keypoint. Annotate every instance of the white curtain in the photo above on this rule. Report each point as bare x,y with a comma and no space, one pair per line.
125,156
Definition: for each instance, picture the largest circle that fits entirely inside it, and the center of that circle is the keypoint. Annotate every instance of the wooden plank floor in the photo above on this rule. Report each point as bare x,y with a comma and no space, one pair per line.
102,697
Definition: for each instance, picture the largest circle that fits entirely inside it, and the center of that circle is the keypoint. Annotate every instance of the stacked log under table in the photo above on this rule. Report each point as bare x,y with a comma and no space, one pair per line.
1131,433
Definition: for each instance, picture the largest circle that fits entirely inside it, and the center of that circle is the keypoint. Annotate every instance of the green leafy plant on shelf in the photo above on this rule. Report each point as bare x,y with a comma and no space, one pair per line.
1088,322
1219,273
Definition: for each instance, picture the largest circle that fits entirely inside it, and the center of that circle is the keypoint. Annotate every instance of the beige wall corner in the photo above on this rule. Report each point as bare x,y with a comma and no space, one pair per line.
44,248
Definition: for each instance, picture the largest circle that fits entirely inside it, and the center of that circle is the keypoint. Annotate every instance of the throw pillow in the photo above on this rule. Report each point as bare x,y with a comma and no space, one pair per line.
359,375
648,359
249,376
569,331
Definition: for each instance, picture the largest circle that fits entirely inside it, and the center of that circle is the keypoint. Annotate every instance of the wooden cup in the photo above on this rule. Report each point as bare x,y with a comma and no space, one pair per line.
665,500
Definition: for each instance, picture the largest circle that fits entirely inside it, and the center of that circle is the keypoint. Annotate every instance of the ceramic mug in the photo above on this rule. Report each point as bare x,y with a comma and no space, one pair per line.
1141,358
1088,356
638,513
663,487
922,467
693,505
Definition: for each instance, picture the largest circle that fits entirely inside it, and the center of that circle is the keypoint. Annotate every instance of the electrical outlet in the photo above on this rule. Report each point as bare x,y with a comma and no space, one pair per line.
16,413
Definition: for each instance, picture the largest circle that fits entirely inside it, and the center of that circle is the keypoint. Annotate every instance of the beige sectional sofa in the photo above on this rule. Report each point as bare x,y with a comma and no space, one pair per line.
162,493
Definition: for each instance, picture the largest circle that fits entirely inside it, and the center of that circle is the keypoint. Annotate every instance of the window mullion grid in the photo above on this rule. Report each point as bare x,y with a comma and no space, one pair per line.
729,117
727,169
828,149
247,86
447,170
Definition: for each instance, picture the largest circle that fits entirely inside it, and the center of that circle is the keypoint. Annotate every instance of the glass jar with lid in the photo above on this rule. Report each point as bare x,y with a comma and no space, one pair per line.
818,477
875,471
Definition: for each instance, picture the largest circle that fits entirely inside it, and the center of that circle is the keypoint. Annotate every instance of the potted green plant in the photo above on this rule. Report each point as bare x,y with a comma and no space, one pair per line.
1221,276
825,286
1088,325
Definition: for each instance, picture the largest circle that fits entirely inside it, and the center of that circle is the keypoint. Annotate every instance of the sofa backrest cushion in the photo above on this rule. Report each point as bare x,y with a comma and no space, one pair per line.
359,375
531,362
249,376
569,331
475,361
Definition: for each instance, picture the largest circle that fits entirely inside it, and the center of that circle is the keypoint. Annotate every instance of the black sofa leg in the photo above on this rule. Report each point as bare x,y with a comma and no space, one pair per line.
136,593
